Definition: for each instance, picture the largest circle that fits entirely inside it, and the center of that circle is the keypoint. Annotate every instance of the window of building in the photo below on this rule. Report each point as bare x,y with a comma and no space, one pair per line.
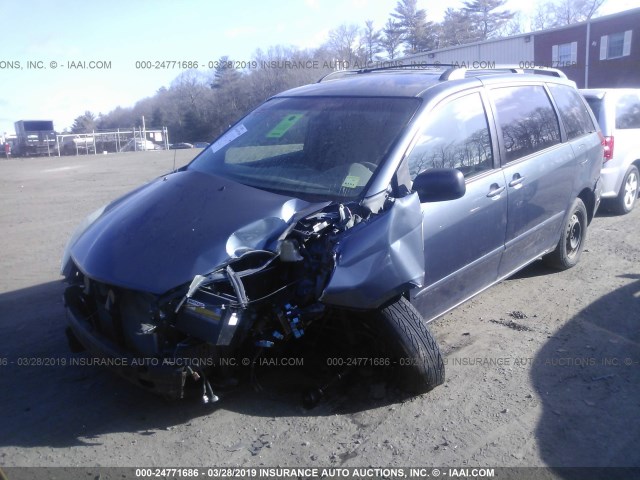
456,135
564,55
527,119
615,45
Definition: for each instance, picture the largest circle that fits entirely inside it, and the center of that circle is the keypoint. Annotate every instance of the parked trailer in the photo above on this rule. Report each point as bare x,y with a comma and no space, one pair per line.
34,138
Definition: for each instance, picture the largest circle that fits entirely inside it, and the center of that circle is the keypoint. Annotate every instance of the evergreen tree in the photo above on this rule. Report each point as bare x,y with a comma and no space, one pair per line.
85,123
485,18
391,38
372,41
417,32
457,28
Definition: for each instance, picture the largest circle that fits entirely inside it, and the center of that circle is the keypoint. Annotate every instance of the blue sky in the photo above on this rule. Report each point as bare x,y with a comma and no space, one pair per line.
124,31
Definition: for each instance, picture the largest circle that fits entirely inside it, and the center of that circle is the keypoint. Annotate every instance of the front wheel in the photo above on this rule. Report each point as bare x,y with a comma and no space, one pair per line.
628,192
571,244
415,352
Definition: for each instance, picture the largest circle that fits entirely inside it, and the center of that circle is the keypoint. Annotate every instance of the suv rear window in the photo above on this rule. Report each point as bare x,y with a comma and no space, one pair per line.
573,111
527,119
628,112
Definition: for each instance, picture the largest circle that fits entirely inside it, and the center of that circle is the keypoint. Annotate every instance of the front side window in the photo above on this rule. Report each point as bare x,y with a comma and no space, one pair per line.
456,135
628,111
319,148
527,120
573,111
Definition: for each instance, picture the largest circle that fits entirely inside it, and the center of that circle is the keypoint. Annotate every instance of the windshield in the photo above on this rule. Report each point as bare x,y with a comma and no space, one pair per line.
322,147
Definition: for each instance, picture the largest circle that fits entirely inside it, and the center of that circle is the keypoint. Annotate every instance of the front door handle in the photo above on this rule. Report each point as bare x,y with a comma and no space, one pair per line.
495,189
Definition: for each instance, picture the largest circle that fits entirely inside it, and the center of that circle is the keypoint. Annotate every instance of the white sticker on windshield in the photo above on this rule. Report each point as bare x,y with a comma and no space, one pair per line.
228,137
351,181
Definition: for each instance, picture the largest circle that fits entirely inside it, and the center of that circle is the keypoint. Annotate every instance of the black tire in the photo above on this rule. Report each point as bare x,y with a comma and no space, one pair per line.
416,354
571,243
74,344
628,194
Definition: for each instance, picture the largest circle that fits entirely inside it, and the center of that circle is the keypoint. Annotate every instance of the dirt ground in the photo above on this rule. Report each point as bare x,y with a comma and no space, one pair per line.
542,369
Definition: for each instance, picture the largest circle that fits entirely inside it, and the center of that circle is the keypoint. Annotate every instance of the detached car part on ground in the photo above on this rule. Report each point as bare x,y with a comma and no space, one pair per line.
344,206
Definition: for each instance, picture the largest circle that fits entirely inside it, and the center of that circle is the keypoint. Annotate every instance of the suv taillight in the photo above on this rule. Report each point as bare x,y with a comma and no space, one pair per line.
607,142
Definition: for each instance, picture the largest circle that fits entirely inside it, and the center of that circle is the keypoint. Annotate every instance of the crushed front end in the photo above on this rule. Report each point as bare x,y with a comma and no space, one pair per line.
200,334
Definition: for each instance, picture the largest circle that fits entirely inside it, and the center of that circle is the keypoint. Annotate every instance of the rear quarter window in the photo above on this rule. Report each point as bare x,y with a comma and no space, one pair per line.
596,106
527,120
573,111
628,111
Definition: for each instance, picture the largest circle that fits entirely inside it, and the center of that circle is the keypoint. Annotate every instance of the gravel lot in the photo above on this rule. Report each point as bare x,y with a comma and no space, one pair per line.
542,369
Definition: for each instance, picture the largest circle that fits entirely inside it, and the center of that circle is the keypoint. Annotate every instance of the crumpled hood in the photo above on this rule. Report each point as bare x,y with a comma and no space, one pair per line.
178,226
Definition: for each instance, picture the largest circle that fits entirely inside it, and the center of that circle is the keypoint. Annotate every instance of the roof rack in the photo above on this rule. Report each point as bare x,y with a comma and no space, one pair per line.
410,66
457,73
452,72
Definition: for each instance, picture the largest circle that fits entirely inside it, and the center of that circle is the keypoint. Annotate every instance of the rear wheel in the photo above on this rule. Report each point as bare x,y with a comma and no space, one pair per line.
415,352
571,244
628,194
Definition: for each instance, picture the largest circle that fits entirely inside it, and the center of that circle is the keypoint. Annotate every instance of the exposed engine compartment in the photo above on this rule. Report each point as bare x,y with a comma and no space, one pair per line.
252,303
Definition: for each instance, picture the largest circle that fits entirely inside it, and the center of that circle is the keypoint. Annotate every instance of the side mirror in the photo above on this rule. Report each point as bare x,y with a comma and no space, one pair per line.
439,185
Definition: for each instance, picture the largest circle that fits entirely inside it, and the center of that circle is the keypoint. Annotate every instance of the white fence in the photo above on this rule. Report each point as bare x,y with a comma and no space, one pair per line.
121,140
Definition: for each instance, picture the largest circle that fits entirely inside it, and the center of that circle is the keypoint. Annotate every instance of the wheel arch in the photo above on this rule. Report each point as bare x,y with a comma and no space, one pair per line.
588,197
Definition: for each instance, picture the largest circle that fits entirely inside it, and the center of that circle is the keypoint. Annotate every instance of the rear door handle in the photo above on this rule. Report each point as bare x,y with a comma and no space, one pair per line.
582,148
517,180
495,189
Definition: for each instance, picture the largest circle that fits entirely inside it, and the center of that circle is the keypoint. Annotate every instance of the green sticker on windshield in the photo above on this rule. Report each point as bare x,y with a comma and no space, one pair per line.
285,124
350,181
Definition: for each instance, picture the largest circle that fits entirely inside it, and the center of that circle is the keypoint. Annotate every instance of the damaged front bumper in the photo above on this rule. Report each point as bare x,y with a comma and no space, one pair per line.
149,373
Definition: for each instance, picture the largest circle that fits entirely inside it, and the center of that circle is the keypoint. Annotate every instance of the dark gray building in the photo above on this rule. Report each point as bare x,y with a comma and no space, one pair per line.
603,52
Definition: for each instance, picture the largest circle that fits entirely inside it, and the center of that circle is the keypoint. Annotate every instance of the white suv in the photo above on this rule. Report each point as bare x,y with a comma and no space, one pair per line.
618,112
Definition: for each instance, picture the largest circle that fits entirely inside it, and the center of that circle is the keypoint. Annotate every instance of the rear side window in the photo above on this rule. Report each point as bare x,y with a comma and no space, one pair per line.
596,106
573,111
628,112
456,135
527,119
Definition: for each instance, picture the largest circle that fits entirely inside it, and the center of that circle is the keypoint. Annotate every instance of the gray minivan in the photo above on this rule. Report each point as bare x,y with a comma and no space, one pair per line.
618,113
362,206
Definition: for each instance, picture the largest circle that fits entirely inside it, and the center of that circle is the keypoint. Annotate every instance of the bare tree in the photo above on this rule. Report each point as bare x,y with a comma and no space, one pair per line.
346,44
560,13
542,17
514,26
567,12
